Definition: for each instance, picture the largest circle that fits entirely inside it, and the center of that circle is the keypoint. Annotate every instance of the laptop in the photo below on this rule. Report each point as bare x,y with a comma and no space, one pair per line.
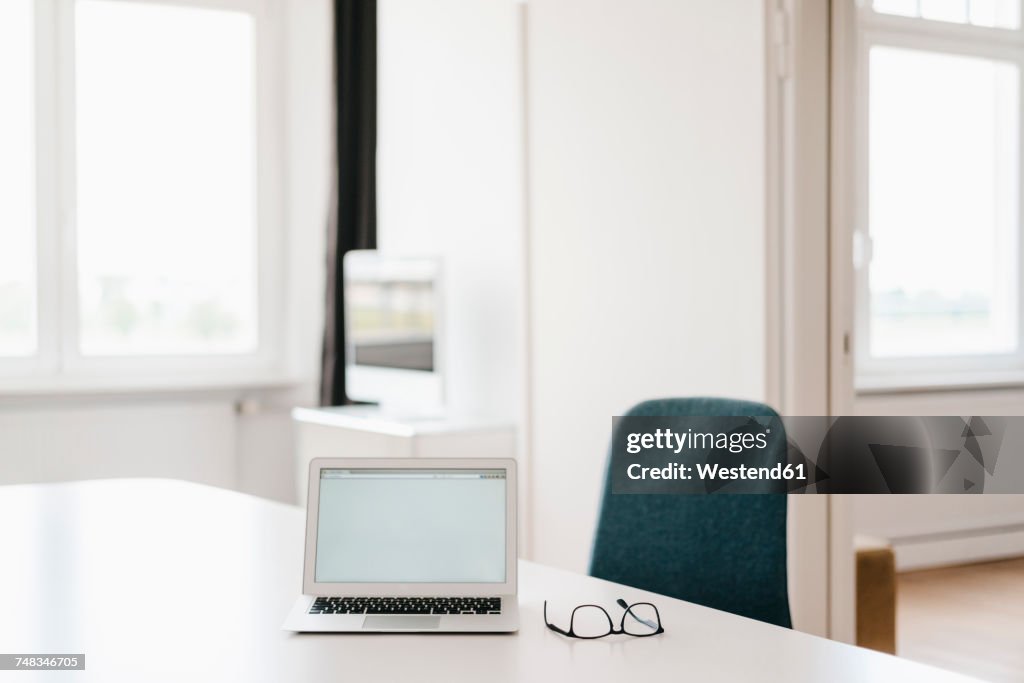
409,545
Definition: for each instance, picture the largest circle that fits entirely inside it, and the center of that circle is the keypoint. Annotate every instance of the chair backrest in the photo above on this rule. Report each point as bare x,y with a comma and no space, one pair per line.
723,551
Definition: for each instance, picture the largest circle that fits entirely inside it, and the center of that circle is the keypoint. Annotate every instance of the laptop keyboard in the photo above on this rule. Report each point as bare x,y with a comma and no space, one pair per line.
406,606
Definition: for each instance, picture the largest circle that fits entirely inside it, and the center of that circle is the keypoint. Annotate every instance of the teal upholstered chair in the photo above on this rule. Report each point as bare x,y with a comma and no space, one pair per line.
722,551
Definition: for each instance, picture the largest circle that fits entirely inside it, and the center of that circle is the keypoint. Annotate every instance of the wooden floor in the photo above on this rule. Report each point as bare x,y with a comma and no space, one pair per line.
968,619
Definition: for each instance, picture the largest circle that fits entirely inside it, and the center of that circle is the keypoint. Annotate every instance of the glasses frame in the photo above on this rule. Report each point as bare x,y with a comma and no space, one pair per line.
611,627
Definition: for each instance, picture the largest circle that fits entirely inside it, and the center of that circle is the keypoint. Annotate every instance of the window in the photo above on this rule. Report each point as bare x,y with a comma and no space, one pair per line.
938,248
152,225
166,182
994,13
17,181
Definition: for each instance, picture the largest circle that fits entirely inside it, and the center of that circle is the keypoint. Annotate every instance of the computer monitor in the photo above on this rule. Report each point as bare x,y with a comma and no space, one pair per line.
392,332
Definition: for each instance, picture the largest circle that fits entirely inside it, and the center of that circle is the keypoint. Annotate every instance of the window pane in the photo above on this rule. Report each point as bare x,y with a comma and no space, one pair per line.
907,8
945,10
991,13
17,180
996,13
943,209
166,179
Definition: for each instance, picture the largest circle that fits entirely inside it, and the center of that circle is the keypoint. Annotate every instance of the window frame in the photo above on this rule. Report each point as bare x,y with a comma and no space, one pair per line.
58,363
928,35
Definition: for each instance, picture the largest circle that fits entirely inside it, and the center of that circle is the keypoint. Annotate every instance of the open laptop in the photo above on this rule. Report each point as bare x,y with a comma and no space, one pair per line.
415,545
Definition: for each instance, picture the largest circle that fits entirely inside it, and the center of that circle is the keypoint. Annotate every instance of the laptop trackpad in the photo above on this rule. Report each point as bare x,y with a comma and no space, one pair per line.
402,621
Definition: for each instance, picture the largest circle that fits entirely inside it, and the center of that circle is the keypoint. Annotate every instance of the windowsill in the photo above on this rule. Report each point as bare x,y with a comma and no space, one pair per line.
959,381
220,384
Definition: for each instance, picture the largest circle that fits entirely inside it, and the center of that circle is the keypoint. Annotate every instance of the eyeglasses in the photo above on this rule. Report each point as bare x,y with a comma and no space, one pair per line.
593,621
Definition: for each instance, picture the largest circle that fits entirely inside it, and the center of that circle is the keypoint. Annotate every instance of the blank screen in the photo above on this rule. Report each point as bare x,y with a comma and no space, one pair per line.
411,526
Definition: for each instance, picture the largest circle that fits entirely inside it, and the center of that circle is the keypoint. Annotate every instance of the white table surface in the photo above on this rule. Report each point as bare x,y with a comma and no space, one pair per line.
169,581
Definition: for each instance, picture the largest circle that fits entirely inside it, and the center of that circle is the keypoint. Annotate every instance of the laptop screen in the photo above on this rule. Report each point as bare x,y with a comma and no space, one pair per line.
411,526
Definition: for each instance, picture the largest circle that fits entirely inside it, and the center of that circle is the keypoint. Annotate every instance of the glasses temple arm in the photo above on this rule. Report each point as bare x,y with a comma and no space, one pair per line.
550,625
629,611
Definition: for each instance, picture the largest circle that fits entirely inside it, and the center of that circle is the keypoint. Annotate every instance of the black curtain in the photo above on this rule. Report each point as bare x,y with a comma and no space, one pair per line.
352,220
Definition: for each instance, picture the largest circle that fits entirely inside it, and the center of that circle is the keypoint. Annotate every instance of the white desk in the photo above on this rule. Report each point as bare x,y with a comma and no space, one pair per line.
170,581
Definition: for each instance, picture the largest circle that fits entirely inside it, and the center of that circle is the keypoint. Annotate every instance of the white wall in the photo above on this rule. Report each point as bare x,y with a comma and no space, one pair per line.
646,234
928,531
450,168
233,438
123,438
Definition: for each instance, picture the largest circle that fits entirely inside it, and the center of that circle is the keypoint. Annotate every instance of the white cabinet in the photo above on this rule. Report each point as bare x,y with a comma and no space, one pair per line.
366,432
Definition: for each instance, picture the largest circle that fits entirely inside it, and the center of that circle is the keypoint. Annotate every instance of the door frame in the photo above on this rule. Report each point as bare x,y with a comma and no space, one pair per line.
808,367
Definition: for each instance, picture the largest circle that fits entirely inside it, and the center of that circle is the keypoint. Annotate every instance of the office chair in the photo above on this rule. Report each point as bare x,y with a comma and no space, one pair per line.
723,551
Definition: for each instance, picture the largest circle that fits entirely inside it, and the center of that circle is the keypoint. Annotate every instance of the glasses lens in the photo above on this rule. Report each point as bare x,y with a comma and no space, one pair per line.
591,622
641,620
